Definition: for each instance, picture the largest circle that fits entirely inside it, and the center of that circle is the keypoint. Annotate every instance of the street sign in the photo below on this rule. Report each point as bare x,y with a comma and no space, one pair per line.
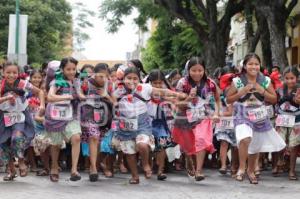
20,58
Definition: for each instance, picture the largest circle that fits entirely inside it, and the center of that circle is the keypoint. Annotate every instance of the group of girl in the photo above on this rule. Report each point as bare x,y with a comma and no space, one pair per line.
148,117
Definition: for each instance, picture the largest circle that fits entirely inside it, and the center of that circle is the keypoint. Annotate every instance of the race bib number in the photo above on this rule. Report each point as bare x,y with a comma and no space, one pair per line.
225,124
114,125
285,120
257,114
13,118
62,112
98,115
194,115
270,111
128,124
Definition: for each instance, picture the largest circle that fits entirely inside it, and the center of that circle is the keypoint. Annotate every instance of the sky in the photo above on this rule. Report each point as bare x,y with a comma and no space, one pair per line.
107,46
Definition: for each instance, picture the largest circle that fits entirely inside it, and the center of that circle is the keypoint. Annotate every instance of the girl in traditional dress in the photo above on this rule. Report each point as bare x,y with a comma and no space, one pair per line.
193,128
160,111
17,129
288,119
61,121
254,131
96,113
134,123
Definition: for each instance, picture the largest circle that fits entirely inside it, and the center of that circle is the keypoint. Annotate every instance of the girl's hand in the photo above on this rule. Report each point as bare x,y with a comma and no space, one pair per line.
259,89
82,97
9,97
249,88
42,109
216,118
193,93
297,99
69,97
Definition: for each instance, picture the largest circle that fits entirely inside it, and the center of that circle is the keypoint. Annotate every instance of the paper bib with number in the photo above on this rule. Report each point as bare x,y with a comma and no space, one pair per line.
98,115
128,124
63,112
13,118
257,114
225,124
285,120
194,115
270,111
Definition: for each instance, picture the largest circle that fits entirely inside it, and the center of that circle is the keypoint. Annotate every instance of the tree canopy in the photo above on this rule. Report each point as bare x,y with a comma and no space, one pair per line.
49,28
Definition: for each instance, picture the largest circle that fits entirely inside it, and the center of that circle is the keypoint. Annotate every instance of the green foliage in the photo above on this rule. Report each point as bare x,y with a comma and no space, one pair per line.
81,22
49,25
171,44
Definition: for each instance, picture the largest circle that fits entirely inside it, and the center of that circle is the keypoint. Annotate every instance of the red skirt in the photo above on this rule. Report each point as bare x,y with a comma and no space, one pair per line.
197,139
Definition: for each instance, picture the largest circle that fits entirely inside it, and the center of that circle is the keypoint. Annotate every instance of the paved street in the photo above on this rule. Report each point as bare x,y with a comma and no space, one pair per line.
178,186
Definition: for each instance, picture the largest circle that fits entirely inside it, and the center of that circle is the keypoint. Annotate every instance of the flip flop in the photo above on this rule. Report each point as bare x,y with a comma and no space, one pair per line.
134,181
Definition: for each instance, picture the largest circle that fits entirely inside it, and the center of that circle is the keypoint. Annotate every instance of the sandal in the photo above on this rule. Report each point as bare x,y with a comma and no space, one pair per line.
108,174
148,174
199,176
75,177
161,176
275,172
123,169
293,177
134,181
252,180
44,172
240,176
257,173
23,171
54,177
10,177
191,173
94,177
223,171
233,173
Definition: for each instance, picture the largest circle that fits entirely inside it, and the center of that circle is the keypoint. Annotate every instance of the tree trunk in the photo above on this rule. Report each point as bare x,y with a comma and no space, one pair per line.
265,39
276,14
215,50
277,36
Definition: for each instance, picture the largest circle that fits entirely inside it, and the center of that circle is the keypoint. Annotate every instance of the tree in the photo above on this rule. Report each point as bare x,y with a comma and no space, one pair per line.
276,13
211,25
262,32
49,27
82,18
170,45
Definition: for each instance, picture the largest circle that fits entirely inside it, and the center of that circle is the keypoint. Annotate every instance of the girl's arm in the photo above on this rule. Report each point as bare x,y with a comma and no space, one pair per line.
233,94
228,112
269,93
41,95
217,103
6,98
168,93
52,97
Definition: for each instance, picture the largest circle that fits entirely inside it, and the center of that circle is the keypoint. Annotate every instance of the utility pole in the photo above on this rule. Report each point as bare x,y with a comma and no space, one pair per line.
17,28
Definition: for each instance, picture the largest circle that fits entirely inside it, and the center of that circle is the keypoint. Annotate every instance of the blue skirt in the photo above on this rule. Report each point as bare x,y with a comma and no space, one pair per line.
144,127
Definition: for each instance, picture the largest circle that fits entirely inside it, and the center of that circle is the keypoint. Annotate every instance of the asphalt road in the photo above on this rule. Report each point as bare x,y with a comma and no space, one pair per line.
178,185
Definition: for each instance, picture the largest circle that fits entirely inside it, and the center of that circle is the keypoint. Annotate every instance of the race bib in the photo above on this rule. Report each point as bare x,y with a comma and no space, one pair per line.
13,118
270,111
285,120
257,114
194,115
114,125
63,112
98,115
225,124
128,124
